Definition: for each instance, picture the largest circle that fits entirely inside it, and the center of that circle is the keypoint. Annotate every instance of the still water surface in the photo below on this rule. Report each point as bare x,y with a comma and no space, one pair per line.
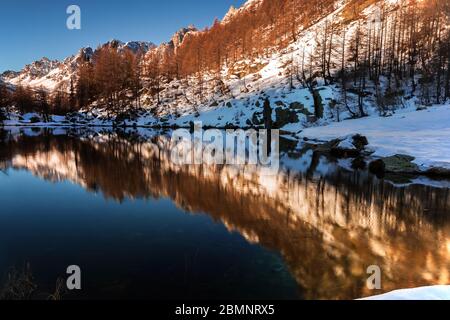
141,227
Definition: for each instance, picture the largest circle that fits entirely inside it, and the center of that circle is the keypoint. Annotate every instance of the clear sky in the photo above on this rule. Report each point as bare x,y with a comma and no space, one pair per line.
32,29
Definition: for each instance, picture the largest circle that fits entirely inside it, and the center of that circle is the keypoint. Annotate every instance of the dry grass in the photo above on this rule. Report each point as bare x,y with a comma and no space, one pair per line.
21,285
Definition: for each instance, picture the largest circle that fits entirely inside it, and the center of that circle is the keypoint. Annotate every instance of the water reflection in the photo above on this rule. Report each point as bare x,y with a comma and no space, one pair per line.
329,225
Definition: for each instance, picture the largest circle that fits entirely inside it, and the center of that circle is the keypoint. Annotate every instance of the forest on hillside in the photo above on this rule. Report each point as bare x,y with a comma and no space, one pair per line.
403,51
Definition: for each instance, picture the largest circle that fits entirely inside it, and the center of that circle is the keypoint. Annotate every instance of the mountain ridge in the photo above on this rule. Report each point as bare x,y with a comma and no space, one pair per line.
36,73
53,74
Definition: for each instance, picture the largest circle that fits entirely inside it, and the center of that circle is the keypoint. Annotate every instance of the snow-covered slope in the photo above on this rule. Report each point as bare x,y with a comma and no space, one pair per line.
232,98
235,98
423,293
37,74
423,134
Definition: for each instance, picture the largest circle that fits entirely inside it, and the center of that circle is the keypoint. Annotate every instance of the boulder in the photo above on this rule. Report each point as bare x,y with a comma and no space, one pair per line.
285,116
350,147
318,105
299,107
311,119
296,106
360,142
257,119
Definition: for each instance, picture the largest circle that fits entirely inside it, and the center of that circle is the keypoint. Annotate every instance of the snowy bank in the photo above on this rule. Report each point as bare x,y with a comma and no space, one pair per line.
424,134
423,293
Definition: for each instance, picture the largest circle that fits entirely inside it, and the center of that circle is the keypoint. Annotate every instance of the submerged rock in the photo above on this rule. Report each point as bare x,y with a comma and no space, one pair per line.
359,163
438,172
288,145
378,168
35,119
400,163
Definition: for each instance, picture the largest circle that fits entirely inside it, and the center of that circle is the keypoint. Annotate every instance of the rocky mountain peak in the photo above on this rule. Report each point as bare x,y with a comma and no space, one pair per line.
134,46
233,11
178,37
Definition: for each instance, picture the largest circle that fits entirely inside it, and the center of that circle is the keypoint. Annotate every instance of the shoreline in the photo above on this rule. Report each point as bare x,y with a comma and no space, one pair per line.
321,146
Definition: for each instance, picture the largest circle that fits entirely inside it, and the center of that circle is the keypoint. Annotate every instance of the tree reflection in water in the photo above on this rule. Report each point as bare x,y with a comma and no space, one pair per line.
329,225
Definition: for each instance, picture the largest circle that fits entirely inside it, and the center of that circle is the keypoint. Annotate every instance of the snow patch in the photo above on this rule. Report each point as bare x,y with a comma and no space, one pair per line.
424,134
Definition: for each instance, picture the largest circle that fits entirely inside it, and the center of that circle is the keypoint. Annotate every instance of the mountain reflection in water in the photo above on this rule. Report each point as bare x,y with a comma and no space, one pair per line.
327,224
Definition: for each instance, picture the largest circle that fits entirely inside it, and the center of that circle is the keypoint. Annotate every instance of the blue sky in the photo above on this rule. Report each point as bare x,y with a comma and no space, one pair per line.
32,29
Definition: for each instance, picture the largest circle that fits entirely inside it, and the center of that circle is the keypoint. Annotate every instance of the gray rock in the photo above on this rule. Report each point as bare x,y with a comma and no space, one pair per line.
299,107
311,119
285,116
360,142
